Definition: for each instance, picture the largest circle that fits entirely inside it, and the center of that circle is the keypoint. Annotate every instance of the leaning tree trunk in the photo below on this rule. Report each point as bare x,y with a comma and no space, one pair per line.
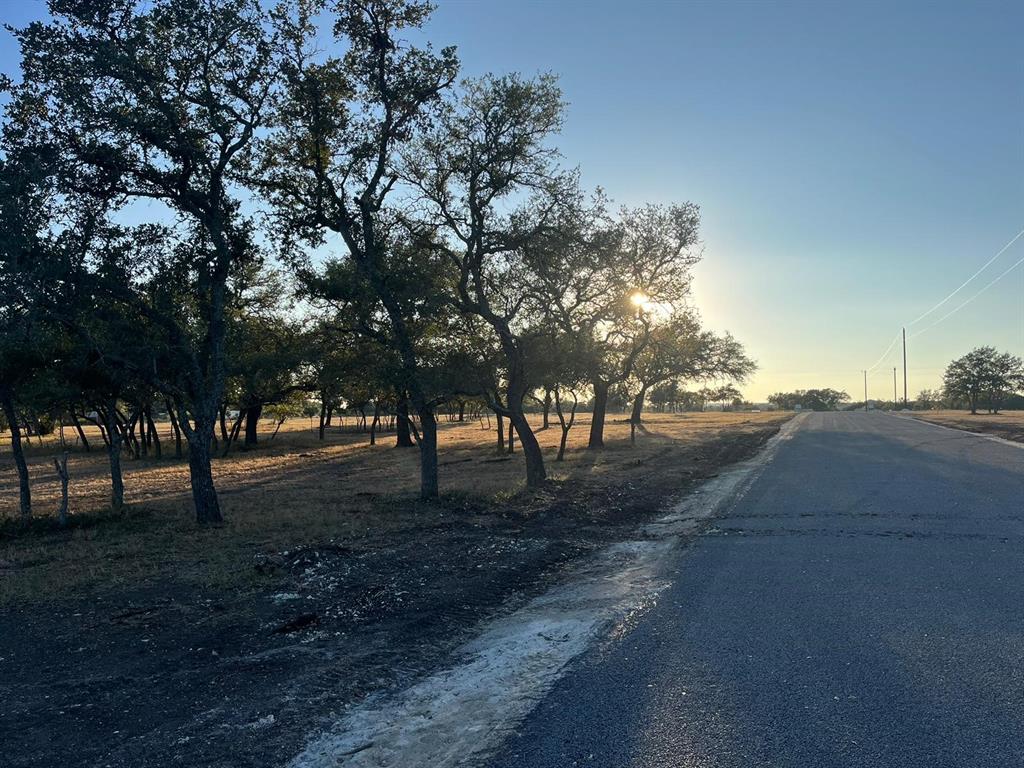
252,423
600,410
24,490
536,474
79,430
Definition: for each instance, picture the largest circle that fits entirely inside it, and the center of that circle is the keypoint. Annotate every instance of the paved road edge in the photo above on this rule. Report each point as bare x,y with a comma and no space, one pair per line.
982,435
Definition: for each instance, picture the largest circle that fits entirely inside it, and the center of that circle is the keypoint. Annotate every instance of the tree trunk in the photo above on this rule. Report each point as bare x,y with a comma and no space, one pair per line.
374,423
61,466
277,428
404,433
223,419
566,424
501,433
143,426
135,445
600,409
252,423
562,442
174,426
128,435
428,454
25,492
103,431
79,430
462,411
233,434
323,420
200,468
114,438
154,436
546,409
535,472
638,405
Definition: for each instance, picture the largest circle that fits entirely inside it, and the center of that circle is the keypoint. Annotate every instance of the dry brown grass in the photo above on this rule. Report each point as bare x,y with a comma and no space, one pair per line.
296,490
1008,424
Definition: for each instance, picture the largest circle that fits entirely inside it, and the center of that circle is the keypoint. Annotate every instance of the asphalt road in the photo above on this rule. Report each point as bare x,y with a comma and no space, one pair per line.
861,605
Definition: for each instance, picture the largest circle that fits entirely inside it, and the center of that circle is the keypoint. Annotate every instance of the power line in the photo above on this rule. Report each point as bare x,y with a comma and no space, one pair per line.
959,288
964,304
968,280
887,351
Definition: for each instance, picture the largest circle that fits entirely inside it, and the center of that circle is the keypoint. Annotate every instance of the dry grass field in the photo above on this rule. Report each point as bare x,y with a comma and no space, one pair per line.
296,491
1008,424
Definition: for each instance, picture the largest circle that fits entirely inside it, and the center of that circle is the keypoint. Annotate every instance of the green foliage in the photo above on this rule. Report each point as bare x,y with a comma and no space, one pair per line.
984,376
430,248
809,399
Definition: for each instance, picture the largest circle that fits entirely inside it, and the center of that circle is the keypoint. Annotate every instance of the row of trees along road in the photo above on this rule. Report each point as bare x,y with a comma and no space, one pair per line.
203,212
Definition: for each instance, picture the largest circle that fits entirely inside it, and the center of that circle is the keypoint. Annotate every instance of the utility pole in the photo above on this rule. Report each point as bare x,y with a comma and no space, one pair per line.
894,401
865,391
904,367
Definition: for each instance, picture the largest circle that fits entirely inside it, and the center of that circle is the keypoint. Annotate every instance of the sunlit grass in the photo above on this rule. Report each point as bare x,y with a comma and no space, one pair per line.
295,491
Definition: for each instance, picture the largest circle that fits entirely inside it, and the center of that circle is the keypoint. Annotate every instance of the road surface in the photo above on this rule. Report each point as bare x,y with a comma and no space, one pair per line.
861,605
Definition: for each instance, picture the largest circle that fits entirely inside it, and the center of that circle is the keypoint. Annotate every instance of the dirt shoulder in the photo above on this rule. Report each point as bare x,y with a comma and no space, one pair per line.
1008,425
170,645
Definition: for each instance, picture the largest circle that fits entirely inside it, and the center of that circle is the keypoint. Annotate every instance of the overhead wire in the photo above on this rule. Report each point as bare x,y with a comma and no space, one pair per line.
966,282
953,293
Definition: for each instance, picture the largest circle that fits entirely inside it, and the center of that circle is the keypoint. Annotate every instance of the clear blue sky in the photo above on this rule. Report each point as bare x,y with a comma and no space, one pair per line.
854,162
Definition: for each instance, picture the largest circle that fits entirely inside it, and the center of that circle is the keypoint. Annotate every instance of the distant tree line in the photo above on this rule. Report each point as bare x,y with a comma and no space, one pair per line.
984,378
206,218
